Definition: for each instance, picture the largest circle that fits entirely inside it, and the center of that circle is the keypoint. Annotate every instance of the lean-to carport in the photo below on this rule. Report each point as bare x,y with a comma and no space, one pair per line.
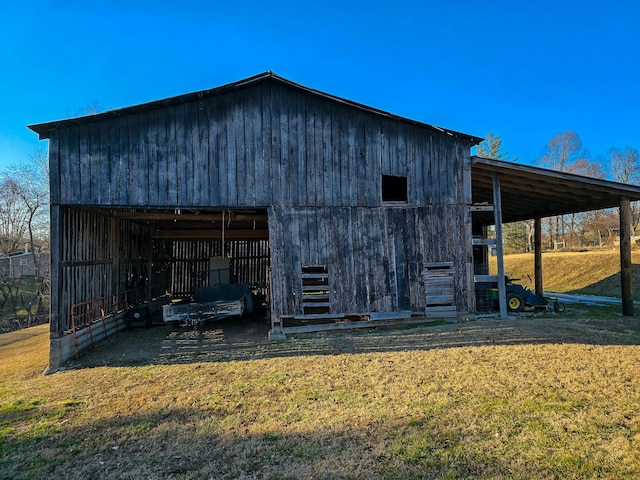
524,193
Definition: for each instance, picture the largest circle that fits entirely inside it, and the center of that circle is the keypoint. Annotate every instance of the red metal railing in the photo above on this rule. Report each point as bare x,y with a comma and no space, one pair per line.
97,310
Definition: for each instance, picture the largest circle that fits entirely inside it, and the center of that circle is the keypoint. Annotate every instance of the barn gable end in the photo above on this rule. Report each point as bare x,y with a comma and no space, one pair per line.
266,145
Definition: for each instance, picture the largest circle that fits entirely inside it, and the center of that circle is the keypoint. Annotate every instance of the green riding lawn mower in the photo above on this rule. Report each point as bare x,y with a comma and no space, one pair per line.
523,299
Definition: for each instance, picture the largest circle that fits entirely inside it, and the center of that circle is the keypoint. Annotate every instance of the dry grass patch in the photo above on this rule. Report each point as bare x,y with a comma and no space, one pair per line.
590,273
519,410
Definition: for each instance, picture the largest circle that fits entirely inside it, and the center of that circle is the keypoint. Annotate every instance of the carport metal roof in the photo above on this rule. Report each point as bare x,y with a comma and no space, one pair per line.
528,191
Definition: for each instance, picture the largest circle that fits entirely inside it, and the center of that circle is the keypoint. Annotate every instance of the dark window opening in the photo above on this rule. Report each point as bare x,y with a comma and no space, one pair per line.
394,189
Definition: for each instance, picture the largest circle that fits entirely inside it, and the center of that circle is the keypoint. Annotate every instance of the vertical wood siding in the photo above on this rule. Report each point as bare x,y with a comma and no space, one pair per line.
374,256
268,145
189,263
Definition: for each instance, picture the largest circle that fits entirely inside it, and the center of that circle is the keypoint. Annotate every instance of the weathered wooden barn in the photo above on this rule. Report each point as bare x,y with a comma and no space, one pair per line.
331,208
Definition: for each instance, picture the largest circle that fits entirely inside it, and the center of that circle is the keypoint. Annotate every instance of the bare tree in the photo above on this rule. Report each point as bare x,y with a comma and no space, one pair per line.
29,188
625,165
24,220
13,229
576,221
586,168
562,149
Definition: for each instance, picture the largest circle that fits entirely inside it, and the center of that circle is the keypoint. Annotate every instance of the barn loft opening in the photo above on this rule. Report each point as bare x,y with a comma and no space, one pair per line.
394,188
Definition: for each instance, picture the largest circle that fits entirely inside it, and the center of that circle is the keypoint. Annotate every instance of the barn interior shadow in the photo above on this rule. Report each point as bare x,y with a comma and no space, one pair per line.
246,339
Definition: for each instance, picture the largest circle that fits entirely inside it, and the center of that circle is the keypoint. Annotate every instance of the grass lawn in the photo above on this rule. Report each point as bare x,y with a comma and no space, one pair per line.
585,273
491,409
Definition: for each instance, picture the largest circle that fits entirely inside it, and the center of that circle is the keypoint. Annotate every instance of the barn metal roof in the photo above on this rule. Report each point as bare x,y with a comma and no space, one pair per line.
531,191
44,129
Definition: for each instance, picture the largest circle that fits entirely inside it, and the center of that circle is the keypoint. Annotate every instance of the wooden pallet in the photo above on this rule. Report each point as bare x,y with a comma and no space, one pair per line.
315,291
438,279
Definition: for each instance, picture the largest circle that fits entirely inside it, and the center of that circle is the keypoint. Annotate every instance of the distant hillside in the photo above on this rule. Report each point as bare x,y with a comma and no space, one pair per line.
589,273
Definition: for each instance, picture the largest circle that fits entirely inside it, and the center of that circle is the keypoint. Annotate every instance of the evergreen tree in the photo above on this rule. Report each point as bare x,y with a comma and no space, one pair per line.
491,147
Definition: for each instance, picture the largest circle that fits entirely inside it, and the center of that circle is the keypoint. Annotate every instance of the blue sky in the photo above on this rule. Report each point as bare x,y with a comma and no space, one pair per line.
521,70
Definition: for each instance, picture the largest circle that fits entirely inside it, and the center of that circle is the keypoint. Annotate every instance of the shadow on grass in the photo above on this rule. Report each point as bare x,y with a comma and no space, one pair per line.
189,443
247,340
610,285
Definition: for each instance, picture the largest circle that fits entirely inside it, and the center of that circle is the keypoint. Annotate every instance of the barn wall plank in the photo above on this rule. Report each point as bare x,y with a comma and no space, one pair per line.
54,168
121,170
287,162
114,161
72,167
184,155
89,164
373,160
156,160
62,165
252,129
240,184
301,147
296,145
413,168
310,153
83,187
103,173
200,133
343,159
400,167
222,123
264,177
132,165
172,157
423,187
144,166
277,171
277,266
359,183
213,161
323,137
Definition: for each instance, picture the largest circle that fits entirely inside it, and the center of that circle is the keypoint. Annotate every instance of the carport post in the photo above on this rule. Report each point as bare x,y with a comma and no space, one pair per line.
497,218
537,258
625,256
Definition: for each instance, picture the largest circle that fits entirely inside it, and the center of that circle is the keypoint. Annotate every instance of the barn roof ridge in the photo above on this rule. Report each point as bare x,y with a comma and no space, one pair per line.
44,129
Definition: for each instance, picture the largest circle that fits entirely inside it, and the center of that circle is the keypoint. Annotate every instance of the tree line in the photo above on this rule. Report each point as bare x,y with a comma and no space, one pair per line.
565,152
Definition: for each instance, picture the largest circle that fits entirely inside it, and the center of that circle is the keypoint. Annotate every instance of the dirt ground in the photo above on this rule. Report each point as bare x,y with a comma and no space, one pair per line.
244,339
